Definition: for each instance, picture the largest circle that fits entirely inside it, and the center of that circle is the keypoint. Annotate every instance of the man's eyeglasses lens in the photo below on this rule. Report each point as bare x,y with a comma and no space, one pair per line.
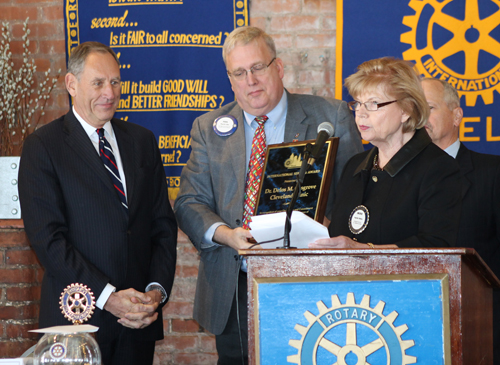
256,70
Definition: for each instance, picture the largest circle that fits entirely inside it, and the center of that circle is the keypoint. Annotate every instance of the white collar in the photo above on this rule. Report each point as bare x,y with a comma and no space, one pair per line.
90,129
274,115
453,148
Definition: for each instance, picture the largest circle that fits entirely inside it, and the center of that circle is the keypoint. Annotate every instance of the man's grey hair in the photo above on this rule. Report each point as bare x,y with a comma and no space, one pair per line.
451,97
80,53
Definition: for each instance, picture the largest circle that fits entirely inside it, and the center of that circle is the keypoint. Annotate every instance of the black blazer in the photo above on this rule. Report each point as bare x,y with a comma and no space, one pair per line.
78,227
480,220
414,202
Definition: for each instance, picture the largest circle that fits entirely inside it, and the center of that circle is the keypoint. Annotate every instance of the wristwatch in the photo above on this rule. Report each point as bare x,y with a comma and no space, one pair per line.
158,288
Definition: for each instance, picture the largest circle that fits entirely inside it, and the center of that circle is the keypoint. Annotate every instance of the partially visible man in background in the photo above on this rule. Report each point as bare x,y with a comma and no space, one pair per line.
96,211
216,198
480,220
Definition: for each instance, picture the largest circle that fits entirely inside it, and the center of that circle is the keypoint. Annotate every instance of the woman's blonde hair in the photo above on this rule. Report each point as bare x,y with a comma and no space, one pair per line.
400,81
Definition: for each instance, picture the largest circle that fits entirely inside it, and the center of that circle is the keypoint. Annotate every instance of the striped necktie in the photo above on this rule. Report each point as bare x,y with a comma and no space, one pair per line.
255,167
109,161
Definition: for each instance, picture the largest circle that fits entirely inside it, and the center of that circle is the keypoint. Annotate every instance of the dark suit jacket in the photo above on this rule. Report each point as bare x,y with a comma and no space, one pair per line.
213,184
78,227
415,201
480,220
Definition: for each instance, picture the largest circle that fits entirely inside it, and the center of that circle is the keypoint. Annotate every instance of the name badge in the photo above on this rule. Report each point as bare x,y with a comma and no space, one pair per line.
225,125
359,219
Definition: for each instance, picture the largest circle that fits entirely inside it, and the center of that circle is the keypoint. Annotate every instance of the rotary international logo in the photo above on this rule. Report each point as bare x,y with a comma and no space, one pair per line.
77,303
461,46
351,333
57,350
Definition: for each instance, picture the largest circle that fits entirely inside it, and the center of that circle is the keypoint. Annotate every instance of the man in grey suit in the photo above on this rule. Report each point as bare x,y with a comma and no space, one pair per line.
480,218
210,203
120,243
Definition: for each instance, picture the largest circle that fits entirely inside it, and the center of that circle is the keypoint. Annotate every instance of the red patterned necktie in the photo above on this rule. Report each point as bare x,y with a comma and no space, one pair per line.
255,168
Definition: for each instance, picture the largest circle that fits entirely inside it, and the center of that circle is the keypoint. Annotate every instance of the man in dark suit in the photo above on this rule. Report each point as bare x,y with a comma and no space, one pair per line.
480,219
117,233
210,203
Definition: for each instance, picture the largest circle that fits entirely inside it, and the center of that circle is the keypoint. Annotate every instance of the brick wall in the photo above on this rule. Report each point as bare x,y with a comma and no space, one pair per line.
20,278
304,31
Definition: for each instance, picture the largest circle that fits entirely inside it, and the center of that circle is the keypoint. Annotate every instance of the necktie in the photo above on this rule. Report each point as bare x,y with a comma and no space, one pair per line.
108,158
255,167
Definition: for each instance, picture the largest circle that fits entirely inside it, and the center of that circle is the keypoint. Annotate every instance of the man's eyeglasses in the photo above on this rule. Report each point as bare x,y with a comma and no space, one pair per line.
256,70
369,105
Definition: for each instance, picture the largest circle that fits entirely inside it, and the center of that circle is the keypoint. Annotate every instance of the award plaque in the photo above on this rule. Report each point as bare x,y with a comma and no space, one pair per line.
281,168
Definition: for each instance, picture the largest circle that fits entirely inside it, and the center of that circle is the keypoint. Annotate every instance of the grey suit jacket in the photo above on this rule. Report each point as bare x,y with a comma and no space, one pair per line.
213,184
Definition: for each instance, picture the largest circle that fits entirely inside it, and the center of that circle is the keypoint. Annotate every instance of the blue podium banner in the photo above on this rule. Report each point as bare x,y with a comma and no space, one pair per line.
171,62
456,41
373,320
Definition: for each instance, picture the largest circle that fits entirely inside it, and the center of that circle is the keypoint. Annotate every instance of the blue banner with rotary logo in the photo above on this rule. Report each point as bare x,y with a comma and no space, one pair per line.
457,41
394,322
171,62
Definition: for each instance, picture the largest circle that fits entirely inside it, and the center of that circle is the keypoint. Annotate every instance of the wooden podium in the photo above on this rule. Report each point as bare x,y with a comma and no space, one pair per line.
382,306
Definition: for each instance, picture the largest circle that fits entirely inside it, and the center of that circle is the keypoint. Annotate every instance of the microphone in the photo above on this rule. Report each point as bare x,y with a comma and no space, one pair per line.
325,131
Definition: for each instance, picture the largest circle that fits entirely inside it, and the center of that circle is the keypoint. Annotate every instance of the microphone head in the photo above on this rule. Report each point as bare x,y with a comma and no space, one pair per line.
326,127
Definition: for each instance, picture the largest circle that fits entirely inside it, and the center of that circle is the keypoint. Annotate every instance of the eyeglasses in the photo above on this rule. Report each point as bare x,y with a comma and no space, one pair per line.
369,105
256,70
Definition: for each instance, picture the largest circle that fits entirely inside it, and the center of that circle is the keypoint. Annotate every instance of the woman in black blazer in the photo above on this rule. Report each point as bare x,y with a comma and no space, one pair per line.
405,191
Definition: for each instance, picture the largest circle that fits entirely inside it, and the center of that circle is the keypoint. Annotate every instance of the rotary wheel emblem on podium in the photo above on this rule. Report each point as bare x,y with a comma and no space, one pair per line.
345,318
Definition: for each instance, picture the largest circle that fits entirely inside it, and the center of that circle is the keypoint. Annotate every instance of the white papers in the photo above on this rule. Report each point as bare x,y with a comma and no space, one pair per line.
18,361
64,330
271,226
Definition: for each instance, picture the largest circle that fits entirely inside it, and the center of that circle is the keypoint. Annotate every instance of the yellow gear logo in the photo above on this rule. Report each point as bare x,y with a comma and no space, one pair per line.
470,41
344,318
